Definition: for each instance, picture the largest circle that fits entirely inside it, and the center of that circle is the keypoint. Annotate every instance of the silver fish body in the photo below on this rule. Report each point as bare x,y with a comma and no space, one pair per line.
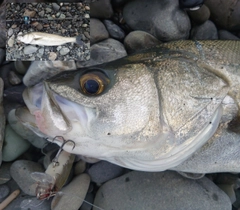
40,38
156,109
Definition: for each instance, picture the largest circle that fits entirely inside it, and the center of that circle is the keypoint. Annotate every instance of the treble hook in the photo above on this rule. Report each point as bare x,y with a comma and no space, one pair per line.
55,160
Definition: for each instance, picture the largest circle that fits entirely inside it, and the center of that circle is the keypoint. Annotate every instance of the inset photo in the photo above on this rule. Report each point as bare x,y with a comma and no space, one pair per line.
48,31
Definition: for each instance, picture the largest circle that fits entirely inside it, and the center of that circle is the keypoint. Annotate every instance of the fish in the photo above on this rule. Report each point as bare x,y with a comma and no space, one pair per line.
149,111
46,39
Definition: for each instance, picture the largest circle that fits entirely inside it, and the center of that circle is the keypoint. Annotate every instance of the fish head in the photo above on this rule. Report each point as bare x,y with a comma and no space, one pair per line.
25,38
106,111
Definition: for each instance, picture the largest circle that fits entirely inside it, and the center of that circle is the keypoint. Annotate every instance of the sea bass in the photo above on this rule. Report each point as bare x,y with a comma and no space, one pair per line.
40,38
150,111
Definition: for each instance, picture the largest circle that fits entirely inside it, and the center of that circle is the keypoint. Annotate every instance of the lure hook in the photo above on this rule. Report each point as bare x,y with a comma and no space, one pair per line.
55,160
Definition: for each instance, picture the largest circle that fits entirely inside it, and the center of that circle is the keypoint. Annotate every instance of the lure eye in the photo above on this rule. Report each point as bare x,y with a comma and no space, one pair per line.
93,83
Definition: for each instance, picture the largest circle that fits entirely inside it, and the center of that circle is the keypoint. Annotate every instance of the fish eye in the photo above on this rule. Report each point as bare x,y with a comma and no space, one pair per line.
93,83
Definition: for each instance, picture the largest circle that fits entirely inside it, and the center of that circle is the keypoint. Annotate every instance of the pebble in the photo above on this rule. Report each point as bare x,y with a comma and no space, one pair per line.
52,56
167,21
64,51
72,195
2,119
30,49
142,190
114,30
56,7
21,173
105,12
226,35
13,78
29,13
40,70
201,15
4,192
225,14
104,171
98,31
79,167
10,32
25,132
22,66
14,145
138,40
105,51
11,41
205,31
5,173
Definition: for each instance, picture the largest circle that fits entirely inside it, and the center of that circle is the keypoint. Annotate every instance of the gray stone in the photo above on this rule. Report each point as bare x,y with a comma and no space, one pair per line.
13,78
79,167
22,66
21,172
201,15
30,49
163,19
104,171
168,190
138,40
11,41
40,70
5,173
10,32
41,13
55,6
114,30
205,31
105,51
105,12
225,14
4,191
226,35
14,145
72,195
2,119
97,30
64,51
25,132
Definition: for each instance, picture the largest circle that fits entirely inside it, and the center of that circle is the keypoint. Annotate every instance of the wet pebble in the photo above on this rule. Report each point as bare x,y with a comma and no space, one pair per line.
79,167
30,49
4,191
22,66
138,40
52,56
21,172
40,70
64,51
56,6
163,19
24,131
114,30
226,35
204,31
104,171
105,12
5,173
105,51
72,195
138,190
98,31
14,145
201,15
2,119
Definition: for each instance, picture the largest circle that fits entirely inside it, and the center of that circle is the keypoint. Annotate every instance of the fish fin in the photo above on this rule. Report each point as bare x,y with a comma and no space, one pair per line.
37,38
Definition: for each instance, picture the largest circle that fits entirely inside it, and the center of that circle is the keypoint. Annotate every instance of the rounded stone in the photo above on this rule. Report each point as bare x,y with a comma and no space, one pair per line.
30,49
163,19
206,31
114,30
226,35
79,167
105,12
225,14
72,195
168,190
21,173
97,30
201,15
22,66
138,40
14,145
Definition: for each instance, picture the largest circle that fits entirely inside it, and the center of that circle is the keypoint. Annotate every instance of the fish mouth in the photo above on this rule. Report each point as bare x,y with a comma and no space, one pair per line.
48,114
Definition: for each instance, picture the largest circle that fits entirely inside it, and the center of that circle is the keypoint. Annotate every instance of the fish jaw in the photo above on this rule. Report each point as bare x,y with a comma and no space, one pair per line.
48,115
27,38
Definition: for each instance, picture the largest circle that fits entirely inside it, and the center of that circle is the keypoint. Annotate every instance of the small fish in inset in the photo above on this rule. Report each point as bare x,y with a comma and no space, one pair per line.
40,38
